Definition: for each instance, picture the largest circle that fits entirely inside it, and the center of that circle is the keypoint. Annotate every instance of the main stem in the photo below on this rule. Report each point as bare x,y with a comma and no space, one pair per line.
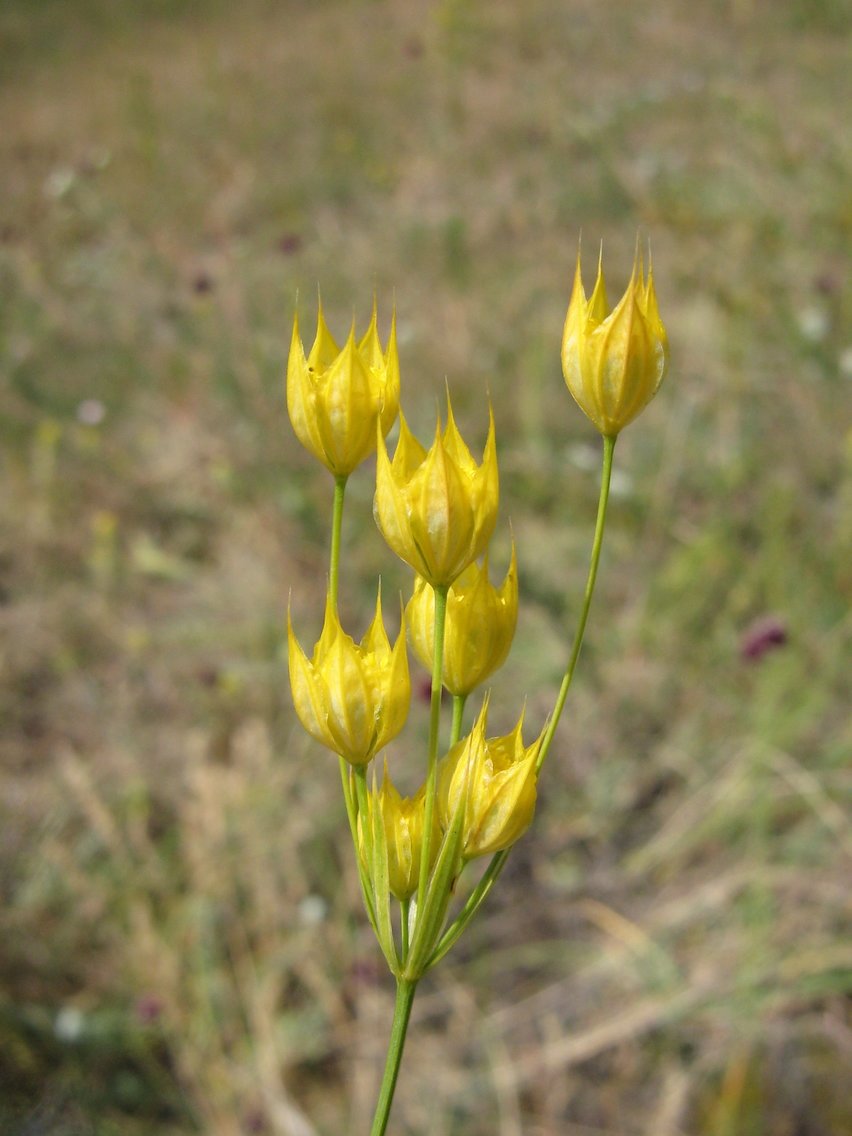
401,1013
600,523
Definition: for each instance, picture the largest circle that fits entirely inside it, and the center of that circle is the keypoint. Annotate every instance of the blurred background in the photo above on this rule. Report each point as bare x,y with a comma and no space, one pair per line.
182,947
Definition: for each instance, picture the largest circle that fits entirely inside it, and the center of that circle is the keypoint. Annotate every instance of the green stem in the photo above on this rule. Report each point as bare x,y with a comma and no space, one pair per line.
336,522
603,500
434,726
401,1013
459,701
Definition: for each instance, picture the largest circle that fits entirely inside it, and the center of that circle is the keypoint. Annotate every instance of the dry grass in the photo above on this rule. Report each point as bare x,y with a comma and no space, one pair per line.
180,944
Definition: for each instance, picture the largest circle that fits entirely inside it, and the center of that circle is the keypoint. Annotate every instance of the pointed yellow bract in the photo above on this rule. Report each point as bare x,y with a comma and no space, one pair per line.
614,362
437,508
480,625
336,397
403,819
353,699
494,780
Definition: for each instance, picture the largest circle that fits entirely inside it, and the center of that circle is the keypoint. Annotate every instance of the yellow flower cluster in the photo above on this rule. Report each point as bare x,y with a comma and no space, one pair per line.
436,509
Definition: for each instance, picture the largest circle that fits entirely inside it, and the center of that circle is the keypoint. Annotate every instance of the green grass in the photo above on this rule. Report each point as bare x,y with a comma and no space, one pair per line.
180,940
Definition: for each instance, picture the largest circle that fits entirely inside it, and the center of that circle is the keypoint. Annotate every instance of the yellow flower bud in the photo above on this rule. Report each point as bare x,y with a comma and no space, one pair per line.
437,509
494,780
614,363
353,699
336,397
479,628
403,819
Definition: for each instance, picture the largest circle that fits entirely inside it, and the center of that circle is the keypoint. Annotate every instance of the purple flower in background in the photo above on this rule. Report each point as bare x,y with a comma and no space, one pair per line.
148,1009
761,636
